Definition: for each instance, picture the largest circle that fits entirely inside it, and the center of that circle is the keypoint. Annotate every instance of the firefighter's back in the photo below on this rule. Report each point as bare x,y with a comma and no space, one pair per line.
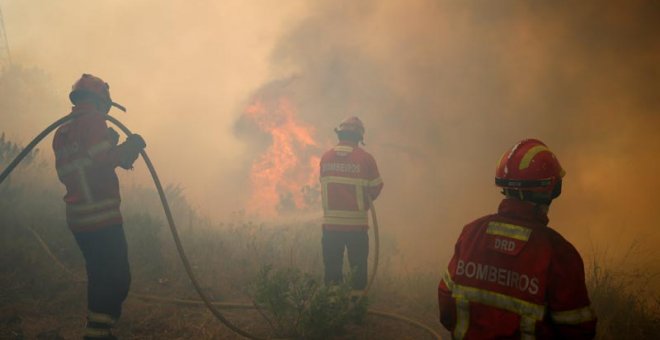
92,188
512,277
502,273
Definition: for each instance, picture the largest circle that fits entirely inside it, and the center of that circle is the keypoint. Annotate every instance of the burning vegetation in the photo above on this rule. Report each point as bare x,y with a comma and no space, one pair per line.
284,177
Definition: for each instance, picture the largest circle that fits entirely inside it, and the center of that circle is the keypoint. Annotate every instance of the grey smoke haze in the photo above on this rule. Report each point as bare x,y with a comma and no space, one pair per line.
444,87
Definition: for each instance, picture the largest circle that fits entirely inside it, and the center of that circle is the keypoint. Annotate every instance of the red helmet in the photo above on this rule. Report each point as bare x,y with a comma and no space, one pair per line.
352,124
89,84
529,166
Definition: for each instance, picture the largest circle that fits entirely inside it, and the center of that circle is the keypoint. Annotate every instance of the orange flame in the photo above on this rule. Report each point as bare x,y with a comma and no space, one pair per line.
284,178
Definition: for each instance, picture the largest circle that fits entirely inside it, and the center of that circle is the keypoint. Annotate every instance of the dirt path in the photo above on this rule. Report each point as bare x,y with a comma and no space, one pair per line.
61,316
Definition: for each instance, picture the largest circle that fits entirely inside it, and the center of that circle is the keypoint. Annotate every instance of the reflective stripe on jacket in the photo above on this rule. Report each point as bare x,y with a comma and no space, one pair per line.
511,276
349,178
85,159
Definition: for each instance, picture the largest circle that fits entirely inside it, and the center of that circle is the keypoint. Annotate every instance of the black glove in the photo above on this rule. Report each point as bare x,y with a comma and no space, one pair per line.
113,136
129,151
137,141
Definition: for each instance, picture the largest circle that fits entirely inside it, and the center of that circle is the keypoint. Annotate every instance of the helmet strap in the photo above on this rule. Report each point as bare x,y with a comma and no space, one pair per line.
103,107
541,198
556,191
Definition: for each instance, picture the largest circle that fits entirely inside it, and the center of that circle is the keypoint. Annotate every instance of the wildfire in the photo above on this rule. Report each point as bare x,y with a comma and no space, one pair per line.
284,178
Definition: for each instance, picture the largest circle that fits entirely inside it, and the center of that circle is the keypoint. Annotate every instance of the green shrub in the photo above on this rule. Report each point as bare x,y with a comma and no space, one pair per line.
297,305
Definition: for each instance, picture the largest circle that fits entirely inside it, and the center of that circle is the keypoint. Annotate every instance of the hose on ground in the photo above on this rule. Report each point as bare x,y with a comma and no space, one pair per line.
177,240
223,305
211,305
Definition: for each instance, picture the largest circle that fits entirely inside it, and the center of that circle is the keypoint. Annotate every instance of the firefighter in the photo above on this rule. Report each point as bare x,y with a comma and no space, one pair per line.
512,276
350,180
86,155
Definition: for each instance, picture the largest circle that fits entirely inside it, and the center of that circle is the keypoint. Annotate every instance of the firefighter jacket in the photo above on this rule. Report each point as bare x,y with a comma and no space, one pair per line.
512,276
85,158
349,179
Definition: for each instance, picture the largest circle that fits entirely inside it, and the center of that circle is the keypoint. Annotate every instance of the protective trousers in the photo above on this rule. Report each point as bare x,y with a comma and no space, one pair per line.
108,278
357,245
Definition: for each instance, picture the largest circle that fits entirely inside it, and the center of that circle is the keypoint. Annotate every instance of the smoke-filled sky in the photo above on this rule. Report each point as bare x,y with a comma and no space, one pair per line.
444,88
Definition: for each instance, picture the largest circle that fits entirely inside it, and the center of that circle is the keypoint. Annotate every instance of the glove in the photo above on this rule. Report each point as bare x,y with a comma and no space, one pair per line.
137,141
113,136
129,151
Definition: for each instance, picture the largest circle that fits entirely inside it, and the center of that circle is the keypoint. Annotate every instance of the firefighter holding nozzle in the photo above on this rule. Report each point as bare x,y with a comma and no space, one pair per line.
86,155
350,181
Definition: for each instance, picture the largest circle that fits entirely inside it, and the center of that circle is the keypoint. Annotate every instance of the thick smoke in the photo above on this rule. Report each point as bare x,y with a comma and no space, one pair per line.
444,87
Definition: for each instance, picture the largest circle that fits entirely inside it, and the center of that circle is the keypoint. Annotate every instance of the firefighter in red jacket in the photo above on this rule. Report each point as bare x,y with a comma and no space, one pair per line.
350,180
511,275
86,155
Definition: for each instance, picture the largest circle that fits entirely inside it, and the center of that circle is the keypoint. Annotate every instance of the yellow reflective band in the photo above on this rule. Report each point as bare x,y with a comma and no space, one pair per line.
448,281
525,336
100,318
83,208
529,155
375,182
344,148
359,193
78,165
344,180
97,333
324,198
359,184
527,327
84,184
74,166
100,217
97,148
573,317
345,221
462,317
345,213
501,301
509,230
501,159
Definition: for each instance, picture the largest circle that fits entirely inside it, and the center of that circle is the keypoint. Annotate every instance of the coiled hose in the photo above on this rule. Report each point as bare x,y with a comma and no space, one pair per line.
175,235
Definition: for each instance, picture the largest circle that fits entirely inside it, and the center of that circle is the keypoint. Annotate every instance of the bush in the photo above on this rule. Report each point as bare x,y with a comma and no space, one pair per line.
299,306
625,302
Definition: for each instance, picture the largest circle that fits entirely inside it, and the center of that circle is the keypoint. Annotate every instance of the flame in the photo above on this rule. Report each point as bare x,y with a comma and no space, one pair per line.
284,178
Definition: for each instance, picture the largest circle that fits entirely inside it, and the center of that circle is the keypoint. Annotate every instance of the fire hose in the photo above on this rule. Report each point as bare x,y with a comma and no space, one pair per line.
212,306
374,218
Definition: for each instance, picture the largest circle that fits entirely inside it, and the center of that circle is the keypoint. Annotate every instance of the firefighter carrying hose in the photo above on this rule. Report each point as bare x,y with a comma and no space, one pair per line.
86,155
349,179
512,276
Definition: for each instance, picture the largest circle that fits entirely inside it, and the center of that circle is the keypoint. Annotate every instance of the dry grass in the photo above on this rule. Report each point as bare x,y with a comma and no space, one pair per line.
625,296
38,297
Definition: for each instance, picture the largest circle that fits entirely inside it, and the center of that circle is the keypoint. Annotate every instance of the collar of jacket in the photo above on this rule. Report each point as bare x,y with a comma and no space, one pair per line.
83,108
348,143
517,209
